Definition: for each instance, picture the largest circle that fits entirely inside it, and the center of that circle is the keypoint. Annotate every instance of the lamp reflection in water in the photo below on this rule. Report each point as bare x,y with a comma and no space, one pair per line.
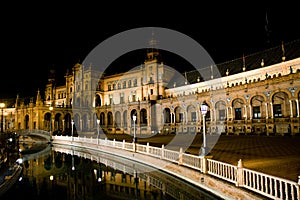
72,129
2,105
51,109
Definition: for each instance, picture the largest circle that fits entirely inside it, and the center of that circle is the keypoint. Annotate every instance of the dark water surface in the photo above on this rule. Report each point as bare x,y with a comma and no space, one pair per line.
62,172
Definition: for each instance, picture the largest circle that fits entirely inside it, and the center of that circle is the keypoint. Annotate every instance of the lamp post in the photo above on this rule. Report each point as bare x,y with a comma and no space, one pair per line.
72,129
2,105
204,108
51,108
134,136
98,127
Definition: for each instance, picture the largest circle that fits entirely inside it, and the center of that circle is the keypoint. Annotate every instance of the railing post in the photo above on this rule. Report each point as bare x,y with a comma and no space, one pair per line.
203,169
180,156
204,163
239,174
133,146
298,190
114,142
162,151
123,144
147,148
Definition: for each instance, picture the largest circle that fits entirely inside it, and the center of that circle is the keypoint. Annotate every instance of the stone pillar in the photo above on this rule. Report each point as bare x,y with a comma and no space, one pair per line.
63,124
299,187
239,174
271,107
203,160
123,144
180,156
246,115
227,112
291,108
297,104
250,112
267,116
147,148
162,151
215,115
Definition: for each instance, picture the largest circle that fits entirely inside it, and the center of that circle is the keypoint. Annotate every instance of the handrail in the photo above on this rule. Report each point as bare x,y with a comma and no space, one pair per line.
261,183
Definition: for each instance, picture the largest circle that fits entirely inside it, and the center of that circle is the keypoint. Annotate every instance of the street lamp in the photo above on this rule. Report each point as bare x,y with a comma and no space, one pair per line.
204,108
98,127
72,129
2,105
134,136
51,108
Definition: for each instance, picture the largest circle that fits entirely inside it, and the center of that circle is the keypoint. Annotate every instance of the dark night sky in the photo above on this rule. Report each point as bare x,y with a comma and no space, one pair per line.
35,38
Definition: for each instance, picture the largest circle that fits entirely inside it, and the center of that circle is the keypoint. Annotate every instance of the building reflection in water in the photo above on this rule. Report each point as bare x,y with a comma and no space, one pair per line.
76,173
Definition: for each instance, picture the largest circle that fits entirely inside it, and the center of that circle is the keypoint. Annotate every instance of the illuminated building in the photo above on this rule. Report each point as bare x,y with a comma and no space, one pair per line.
255,94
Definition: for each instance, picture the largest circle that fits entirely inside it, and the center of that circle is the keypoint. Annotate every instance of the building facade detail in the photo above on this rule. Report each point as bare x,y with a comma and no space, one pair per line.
264,100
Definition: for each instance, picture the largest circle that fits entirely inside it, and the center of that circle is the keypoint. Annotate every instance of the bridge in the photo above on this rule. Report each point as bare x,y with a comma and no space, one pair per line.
226,180
35,132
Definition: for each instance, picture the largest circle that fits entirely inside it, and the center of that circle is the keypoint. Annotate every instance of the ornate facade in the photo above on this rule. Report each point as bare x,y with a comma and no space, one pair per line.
256,94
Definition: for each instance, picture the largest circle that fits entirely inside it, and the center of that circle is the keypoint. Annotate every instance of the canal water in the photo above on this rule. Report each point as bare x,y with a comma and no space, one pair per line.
64,172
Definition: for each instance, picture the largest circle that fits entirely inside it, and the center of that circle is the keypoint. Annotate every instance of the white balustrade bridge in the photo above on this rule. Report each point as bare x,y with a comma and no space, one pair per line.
263,184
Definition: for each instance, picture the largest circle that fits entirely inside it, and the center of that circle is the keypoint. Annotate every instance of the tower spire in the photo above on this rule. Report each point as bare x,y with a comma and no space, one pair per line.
152,53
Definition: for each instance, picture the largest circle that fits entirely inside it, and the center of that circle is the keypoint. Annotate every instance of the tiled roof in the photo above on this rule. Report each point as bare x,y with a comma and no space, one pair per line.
253,61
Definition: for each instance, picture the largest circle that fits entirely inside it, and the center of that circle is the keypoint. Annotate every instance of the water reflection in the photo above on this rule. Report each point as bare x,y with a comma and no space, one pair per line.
62,172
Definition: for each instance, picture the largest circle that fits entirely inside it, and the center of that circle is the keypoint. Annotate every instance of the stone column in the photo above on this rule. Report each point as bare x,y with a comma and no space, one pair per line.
246,115
215,115
267,116
63,124
297,104
240,175
291,107
271,107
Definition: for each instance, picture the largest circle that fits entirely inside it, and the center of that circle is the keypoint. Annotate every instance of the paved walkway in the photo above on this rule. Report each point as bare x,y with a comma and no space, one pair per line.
273,155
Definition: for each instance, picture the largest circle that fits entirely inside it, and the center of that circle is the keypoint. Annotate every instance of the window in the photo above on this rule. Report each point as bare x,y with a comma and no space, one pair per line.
277,110
110,99
181,117
124,84
222,115
109,87
129,83
256,112
122,98
194,117
135,82
119,85
151,79
238,114
207,116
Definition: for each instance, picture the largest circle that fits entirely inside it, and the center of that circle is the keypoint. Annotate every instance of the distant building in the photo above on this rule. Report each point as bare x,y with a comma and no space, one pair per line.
255,94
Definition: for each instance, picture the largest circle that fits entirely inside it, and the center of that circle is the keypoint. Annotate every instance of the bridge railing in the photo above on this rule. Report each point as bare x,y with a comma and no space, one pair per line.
261,183
33,131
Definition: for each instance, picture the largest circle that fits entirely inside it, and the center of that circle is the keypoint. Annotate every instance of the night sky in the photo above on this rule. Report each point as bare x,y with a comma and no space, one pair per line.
36,38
